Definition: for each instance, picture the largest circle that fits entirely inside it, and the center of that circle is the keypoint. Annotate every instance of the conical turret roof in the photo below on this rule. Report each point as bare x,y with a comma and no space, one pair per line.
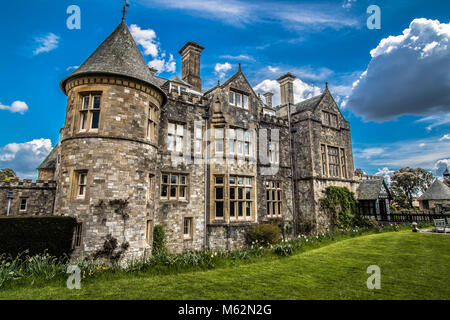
117,55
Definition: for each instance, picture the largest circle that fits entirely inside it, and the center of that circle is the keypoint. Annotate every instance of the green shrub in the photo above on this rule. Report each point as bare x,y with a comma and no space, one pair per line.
36,235
284,249
159,240
340,204
264,234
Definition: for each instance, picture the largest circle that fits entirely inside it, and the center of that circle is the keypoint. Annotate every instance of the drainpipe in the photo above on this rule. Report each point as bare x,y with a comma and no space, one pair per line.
293,187
205,116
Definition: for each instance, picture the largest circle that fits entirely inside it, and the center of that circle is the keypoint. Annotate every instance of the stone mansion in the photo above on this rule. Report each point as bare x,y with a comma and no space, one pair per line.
138,150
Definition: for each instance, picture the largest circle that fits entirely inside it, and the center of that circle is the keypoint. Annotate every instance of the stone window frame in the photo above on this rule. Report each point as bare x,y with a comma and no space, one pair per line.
78,235
177,185
238,202
219,138
152,116
219,183
343,163
274,187
77,175
327,118
88,109
273,151
178,138
198,138
190,228
244,99
241,139
333,161
21,203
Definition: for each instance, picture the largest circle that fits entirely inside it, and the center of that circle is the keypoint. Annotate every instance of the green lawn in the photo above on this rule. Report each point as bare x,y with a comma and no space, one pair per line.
413,266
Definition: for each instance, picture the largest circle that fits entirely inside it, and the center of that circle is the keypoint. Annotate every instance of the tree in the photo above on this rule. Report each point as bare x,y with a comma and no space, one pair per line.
7,174
408,183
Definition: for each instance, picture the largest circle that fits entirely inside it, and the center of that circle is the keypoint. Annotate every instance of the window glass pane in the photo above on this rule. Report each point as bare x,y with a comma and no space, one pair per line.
219,209
240,209
232,180
164,191
239,147
231,146
96,103
180,129
173,179
219,193
83,120
182,179
219,180
182,192
245,101
219,146
86,102
171,143
248,209
247,148
232,209
198,133
171,128
238,100
173,191
248,193
231,97
240,193
232,193
179,144
165,178
247,181
240,180
95,118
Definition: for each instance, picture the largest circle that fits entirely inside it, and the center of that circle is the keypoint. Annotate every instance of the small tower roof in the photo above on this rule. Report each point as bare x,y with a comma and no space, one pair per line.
117,55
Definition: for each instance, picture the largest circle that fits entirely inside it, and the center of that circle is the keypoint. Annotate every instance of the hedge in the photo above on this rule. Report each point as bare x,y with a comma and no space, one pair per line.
36,234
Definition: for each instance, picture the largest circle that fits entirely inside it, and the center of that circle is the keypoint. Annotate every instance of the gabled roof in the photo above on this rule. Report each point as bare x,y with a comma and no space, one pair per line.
50,161
370,189
234,76
117,55
437,191
178,80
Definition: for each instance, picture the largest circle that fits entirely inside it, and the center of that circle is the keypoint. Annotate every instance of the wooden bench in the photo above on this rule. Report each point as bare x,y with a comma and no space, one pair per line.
439,225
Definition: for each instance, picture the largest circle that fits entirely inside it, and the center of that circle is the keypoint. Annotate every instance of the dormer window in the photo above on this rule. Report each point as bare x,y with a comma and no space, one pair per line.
177,88
238,99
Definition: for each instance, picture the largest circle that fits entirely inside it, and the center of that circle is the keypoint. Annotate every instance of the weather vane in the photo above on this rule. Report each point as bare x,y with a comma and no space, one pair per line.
124,9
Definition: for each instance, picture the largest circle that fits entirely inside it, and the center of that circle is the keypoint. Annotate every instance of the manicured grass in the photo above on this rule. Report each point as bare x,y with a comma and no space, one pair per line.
413,266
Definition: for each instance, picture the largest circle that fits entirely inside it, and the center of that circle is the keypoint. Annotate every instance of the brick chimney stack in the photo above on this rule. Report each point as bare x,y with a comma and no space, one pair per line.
190,60
268,96
287,88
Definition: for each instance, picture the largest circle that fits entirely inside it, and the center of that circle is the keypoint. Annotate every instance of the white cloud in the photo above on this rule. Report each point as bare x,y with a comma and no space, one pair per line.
348,4
435,120
273,69
440,166
403,154
16,107
302,90
292,16
25,157
72,68
408,74
221,69
241,57
46,44
147,39
445,137
386,174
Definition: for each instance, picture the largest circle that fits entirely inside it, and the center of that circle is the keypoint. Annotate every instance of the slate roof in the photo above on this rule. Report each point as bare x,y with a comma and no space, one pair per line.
437,191
308,104
50,161
178,80
117,55
369,189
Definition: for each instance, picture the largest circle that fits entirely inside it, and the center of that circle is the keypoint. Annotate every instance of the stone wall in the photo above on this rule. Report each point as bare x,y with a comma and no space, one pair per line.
40,197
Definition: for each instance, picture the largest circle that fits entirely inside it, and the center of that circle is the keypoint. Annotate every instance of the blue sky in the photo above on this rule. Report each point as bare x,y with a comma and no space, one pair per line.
392,84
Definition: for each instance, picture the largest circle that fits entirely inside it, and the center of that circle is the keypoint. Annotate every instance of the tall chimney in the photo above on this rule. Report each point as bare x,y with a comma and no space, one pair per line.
190,61
268,96
287,88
